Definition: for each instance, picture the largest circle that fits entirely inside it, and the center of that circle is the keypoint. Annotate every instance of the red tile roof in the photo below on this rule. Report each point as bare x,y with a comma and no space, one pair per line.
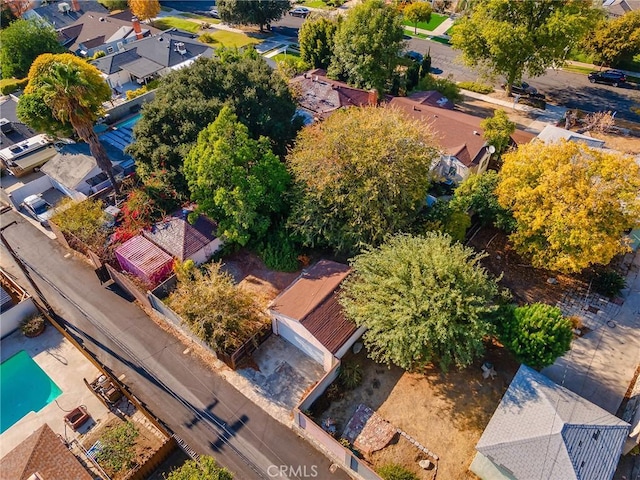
43,453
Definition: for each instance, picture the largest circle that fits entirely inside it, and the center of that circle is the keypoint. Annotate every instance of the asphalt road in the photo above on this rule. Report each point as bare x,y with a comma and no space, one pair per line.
568,89
195,402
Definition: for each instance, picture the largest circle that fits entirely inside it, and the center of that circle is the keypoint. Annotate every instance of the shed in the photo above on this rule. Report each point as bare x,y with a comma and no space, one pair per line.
308,315
184,240
144,259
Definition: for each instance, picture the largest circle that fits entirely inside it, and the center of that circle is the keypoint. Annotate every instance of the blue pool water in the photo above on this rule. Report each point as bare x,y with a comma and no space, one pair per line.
129,122
24,387
122,133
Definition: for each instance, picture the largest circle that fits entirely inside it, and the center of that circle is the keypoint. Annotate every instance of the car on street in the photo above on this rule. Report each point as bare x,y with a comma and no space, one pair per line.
38,208
214,13
522,88
300,12
610,77
413,55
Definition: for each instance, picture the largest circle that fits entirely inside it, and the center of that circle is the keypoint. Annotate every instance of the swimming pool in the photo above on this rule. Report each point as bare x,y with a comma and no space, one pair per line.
24,387
129,122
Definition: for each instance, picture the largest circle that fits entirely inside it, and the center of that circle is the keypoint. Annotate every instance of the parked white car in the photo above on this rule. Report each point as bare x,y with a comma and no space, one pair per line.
39,209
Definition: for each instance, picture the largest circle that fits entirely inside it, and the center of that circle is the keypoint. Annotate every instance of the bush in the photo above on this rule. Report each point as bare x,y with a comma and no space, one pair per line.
292,66
208,38
152,85
536,334
12,84
118,448
84,220
476,87
393,471
33,325
350,375
280,251
608,283
446,86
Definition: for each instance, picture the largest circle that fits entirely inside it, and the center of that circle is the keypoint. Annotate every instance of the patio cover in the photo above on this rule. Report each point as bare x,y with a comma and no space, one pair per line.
142,67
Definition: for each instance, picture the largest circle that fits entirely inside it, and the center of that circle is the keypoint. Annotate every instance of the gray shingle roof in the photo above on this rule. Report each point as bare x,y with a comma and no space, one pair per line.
542,430
160,49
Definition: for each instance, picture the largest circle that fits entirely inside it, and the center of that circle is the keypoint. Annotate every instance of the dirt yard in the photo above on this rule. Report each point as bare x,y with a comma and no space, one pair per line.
527,284
146,442
446,413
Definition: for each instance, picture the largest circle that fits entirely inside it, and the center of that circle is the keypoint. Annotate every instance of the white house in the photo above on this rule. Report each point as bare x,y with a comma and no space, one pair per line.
553,134
308,315
15,305
183,240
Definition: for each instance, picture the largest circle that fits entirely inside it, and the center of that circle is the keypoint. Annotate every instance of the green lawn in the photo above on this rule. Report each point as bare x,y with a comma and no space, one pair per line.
577,69
436,19
201,17
314,4
175,22
228,39
282,56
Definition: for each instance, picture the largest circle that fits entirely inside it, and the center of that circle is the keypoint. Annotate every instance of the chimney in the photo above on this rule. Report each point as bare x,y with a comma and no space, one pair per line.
136,27
75,5
373,97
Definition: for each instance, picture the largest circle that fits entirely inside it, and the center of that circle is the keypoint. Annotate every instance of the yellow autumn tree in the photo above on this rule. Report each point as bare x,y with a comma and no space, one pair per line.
145,9
572,204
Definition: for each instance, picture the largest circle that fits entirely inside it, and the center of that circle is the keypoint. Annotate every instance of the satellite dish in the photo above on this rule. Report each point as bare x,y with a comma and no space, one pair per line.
492,149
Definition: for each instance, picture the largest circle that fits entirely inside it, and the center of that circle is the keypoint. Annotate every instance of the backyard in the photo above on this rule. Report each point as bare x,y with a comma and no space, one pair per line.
446,413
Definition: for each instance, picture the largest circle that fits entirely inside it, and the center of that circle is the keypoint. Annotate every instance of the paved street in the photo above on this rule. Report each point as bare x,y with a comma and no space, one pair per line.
195,402
568,89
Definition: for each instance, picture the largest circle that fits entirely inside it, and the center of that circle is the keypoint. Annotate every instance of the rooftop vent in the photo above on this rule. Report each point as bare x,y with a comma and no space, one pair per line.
5,125
180,48
64,7
101,19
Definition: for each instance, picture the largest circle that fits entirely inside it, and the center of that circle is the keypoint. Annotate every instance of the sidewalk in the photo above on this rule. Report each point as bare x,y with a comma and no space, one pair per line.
596,68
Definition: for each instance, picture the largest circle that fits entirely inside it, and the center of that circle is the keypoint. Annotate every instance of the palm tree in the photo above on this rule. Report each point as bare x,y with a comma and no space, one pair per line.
73,92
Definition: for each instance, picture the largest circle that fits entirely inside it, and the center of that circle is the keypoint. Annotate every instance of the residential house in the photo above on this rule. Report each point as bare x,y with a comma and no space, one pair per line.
320,96
142,258
92,33
151,57
42,455
464,148
62,14
75,172
184,240
15,305
21,149
308,315
543,430
617,8
553,134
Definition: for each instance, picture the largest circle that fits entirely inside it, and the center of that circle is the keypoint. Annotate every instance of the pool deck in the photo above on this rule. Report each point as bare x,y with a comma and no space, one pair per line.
66,366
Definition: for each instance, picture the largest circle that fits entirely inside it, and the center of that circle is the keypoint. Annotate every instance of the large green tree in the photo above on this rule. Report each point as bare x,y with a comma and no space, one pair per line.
362,173
63,91
236,180
571,203
316,39
615,40
536,334
423,300
252,12
22,42
190,99
514,38
367,45
205,468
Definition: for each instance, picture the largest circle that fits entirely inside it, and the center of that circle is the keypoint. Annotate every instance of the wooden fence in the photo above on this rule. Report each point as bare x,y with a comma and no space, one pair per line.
154,461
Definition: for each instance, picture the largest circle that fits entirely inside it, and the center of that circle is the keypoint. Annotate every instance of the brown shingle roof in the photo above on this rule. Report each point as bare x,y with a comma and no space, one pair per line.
42,452
458,133
310,289
322,95
329,325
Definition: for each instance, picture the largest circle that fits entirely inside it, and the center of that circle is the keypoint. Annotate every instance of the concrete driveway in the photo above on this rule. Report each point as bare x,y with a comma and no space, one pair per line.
601,365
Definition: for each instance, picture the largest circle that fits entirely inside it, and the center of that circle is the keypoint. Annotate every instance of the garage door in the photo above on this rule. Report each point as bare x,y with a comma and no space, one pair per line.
300,343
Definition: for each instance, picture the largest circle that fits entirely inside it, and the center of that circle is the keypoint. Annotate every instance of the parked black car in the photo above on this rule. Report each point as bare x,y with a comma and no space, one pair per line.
610,77
300,12
524,89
